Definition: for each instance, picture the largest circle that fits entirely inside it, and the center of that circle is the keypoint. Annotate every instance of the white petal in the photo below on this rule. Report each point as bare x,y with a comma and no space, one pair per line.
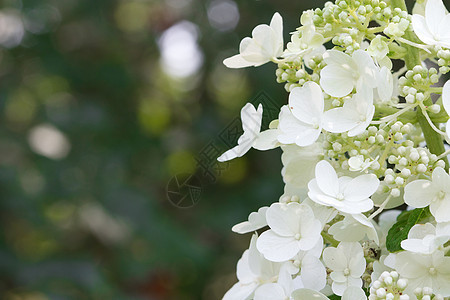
419,193
366,68
313,273
361,187
277,248
256,220
440,208
339,287
236,62
446,96
240,291
283,219
447,128
434,13
262,50
307,294
356,207
354,293
361,127
243,271
441,179
421,29
336,81
443,31
251,118
412,265
385,84
267,140
237,151
277,25
338,120
338,58
326,178
418,246
294,131
335,259
443,229
419,231
270,291
307,103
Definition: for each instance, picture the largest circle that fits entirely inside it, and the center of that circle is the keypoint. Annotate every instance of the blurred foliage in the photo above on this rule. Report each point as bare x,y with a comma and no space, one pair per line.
98,113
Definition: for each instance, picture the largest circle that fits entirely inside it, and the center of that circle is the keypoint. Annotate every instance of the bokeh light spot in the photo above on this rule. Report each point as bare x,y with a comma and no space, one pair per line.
48,141
181,56
223,14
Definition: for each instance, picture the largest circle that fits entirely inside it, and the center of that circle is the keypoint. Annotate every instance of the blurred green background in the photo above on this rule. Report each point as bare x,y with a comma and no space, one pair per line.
102,103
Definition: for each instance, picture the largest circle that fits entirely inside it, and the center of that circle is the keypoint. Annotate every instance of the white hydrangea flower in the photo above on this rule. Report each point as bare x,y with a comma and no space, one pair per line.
252,136
305,39
265,45
252,271
348,264
344,72
301,120
256,220
293,227
354,117
432,29
358,163
435,193
346,194
425,238
353,229
379,49
425,270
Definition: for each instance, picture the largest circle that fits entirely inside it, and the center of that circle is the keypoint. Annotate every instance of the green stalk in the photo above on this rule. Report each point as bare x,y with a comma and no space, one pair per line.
412,58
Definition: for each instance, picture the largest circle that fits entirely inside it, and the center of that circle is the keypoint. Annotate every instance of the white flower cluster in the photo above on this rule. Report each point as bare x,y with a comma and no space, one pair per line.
360,135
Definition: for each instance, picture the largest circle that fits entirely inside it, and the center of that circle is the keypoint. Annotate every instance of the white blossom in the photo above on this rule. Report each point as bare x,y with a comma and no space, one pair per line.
425,270
425,238
265,45
252,137
293,228
252,271
435,193
348,264
353,229
432,29
305,39
301,120
346,194
343,72
354,116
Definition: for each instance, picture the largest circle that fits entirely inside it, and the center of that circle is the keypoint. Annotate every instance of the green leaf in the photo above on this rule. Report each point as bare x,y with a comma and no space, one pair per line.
405,221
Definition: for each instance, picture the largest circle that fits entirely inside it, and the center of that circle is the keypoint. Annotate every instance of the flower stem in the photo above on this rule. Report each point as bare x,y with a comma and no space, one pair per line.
329,239
412,58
